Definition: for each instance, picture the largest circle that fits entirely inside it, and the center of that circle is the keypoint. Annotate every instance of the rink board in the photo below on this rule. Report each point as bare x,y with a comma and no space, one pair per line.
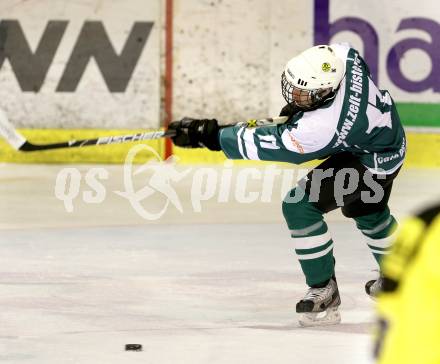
423,149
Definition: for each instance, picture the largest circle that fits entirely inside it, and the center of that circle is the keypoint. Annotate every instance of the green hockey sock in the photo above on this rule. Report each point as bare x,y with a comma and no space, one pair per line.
313,243
379,230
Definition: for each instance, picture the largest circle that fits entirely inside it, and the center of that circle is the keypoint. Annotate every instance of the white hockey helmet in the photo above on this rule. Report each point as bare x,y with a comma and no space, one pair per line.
312,77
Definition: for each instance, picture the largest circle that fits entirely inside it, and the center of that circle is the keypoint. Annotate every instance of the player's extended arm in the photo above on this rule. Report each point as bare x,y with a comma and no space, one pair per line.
270,143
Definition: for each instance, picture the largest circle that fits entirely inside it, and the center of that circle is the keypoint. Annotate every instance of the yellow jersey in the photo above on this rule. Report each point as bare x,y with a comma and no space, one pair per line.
409,306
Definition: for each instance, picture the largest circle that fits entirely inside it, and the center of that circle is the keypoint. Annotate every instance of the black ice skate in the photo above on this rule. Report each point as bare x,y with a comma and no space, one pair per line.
320,306
374,287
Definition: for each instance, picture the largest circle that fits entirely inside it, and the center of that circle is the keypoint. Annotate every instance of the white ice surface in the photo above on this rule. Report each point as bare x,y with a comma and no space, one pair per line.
214,287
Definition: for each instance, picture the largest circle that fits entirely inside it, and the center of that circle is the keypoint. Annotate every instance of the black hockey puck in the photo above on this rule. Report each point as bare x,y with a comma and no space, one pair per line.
133,347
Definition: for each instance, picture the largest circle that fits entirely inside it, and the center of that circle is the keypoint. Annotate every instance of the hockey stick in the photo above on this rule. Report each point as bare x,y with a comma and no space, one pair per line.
19,142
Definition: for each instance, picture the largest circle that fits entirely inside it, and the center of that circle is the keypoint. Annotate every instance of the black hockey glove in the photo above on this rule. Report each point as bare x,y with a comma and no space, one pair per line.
196,133
289,110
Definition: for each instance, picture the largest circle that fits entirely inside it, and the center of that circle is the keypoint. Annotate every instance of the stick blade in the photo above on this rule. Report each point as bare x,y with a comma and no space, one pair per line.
8,132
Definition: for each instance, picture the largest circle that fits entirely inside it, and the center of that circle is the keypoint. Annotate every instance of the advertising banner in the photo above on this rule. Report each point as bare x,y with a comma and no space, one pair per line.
399,41
90,64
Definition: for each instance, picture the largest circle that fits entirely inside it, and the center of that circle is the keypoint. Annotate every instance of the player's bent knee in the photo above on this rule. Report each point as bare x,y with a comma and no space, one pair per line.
291,206
299,212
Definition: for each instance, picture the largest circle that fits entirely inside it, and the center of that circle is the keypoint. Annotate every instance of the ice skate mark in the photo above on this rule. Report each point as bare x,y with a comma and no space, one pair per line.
352,328
289,327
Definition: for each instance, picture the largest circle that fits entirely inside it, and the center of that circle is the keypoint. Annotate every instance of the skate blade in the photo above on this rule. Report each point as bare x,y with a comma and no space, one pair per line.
329,317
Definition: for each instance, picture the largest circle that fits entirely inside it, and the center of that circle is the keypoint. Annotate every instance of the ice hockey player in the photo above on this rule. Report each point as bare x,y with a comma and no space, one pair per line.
336,113
409,302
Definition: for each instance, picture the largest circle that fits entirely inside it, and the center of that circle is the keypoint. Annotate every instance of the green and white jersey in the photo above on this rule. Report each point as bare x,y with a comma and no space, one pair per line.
360,119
